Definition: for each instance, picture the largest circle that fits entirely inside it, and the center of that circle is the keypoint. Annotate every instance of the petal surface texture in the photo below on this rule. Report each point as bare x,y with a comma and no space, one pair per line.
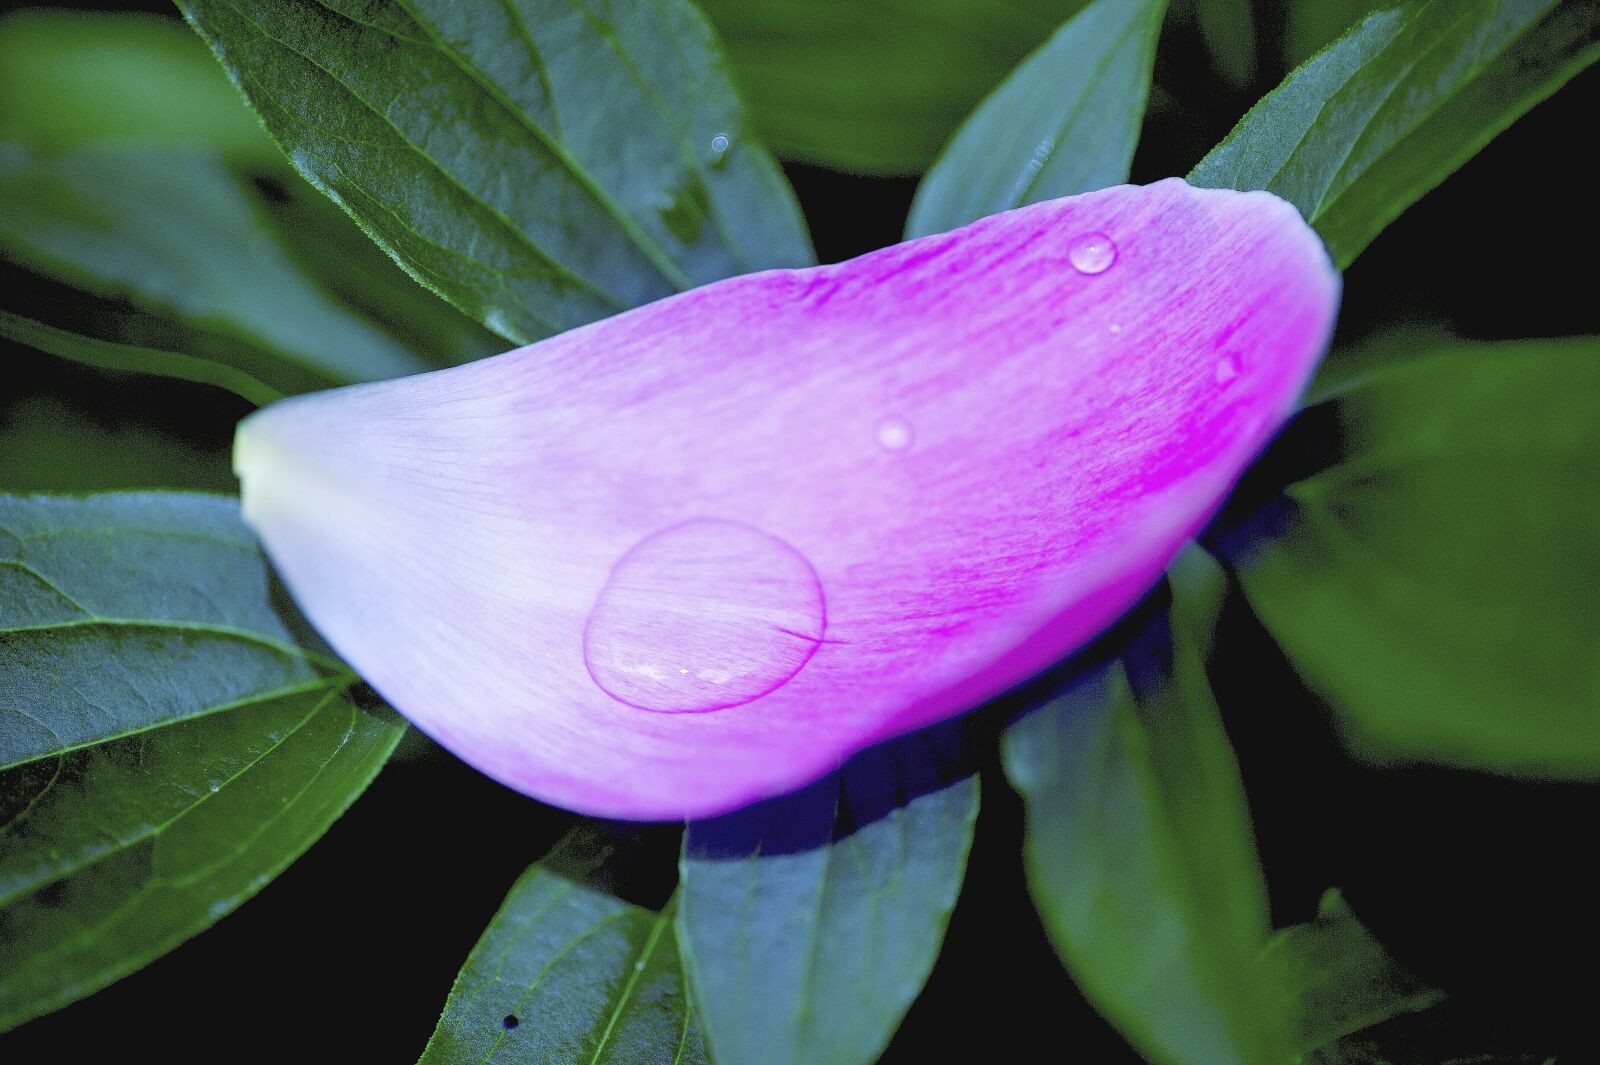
697,554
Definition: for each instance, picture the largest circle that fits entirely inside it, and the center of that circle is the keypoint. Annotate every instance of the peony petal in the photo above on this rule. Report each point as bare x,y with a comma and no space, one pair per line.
697,554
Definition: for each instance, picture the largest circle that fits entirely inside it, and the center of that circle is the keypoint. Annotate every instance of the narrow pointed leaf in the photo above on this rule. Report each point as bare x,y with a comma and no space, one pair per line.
809,923
874,86
181,239
110,856
1435,583
538,163
1329,978
128,611
1066,121
567,972
1140,853
72,78
697,554
1371,124
107,355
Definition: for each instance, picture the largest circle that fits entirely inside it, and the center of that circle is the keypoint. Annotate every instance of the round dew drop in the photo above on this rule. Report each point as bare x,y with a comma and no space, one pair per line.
1092,253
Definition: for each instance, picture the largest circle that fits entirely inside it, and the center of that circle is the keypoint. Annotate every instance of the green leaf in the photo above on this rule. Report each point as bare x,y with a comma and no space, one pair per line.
128,822
175,234
1065,122
127,611
54,443
1312,25
1363,130
1139,849
69,78
810,922
533,162
332,250
116,854
1330,978
1229,28
1435,584
875,86
567,972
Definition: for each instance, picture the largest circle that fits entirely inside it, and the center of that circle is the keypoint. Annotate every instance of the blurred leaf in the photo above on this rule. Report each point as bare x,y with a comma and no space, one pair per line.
111,356
139,62
567,972
129,822
1140,853
51,443
536,164
180,238
810,922
1229,28
1065,122
1329,978
1367,127
127,611
875,86
1311,25
1436,584
70,77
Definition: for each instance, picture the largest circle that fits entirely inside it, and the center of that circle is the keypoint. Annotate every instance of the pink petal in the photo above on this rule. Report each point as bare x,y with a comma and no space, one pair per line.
699,553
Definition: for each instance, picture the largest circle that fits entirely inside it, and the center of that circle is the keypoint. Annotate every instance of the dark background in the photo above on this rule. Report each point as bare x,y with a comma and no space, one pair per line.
1484,886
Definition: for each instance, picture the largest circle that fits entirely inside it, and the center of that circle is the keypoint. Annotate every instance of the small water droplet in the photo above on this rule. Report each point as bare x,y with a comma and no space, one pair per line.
742,607
719,150
1116,327
1227,369
1092,253
894,434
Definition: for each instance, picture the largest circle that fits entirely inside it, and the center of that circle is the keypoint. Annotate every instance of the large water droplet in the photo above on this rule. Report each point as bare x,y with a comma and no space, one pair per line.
702,616
894,434
1092,253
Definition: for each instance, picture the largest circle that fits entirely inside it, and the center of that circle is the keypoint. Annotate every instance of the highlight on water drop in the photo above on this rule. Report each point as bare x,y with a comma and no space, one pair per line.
894,434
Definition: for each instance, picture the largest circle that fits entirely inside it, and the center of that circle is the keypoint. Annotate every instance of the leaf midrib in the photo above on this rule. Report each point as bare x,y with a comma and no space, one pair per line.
626,994
1334,189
